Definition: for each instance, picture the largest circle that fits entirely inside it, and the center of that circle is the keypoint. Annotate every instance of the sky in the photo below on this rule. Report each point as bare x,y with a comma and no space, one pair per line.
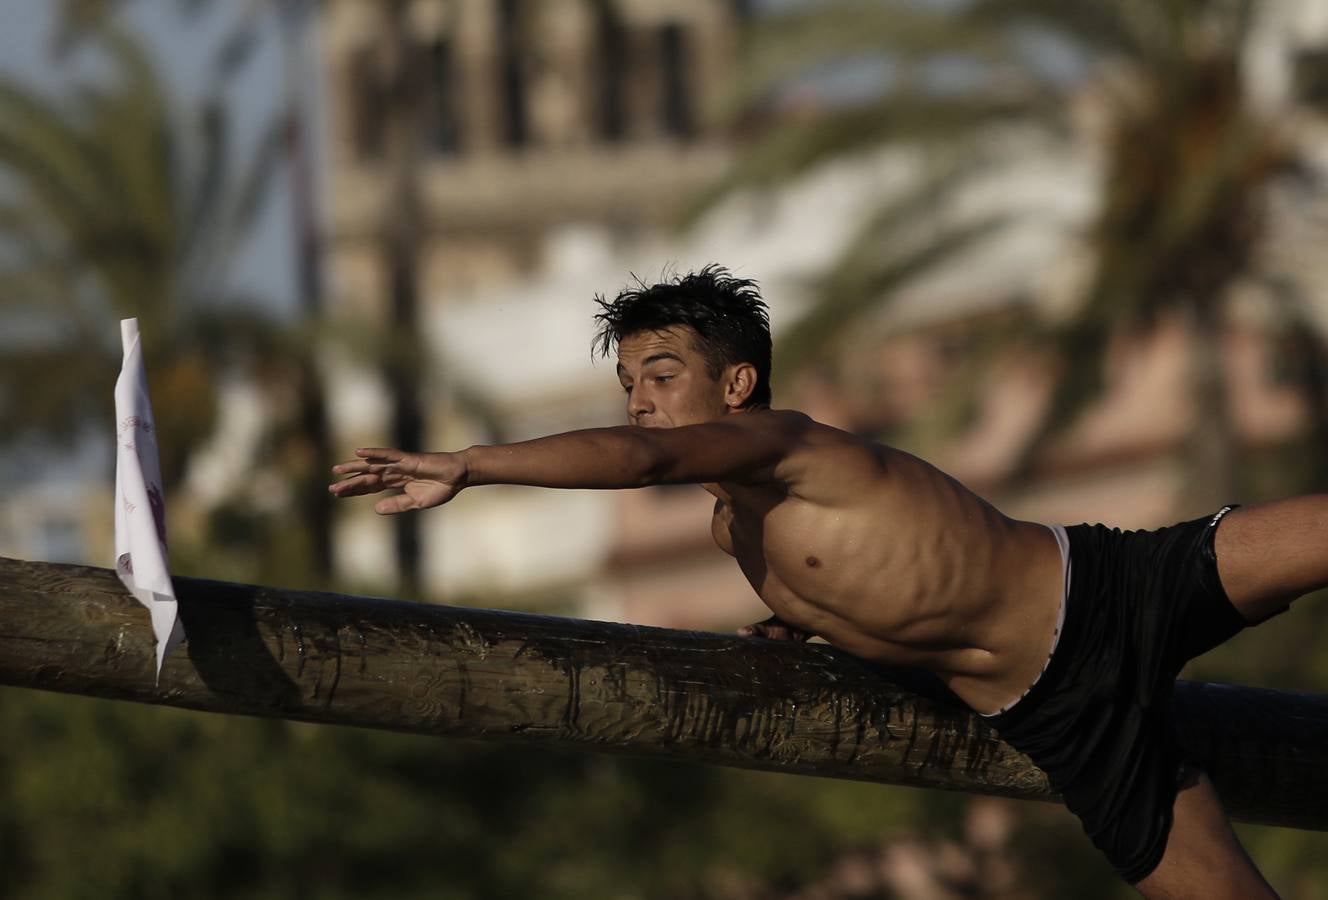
184,48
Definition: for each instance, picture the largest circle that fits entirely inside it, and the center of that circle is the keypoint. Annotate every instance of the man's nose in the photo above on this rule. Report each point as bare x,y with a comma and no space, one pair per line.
638,404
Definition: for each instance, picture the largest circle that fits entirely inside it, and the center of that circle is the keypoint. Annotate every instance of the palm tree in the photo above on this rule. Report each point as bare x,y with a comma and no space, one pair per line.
1188,161
109,216
282,356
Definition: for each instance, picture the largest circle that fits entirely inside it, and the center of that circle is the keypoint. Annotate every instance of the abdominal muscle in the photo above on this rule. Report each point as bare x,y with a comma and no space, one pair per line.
911,569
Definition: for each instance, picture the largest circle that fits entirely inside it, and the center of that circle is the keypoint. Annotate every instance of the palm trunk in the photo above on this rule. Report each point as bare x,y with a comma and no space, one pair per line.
1311,355
313,501
1214,473
401,235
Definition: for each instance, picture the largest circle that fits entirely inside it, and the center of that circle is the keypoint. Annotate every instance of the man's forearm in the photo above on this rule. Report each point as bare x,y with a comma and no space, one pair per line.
620,457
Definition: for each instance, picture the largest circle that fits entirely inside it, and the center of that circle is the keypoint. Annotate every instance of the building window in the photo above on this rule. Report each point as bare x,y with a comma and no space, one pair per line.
1311,75
611,78
516,130
366,105
442,124
676,106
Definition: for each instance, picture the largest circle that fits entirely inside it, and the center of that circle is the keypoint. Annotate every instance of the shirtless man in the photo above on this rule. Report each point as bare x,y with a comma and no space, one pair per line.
1069,639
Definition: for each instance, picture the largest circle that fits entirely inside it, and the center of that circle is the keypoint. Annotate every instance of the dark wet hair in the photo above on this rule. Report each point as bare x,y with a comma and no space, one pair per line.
727,313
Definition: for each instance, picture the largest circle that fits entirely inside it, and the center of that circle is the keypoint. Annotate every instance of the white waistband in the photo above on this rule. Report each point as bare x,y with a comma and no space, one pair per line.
1063,543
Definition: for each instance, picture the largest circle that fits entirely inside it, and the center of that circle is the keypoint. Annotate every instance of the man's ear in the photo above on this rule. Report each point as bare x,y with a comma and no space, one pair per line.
740,384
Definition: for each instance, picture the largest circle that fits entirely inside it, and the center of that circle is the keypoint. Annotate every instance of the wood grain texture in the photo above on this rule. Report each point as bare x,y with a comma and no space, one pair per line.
567,683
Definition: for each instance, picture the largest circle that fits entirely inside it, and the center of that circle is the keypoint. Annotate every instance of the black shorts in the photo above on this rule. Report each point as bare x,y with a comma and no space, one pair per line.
1141,604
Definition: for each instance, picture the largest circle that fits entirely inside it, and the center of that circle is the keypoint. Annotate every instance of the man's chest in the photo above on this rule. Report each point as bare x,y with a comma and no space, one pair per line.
770,531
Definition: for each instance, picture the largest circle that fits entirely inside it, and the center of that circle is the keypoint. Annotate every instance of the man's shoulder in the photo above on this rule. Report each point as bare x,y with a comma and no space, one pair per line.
787,420
794,431
817,453
808,432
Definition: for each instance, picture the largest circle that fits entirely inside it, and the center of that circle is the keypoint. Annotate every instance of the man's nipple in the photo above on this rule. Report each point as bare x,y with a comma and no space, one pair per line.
813,562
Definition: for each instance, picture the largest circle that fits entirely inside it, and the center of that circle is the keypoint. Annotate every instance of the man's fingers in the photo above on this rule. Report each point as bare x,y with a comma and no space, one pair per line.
775,631
355,485
396,460
381,454
356,466
390,506
367,483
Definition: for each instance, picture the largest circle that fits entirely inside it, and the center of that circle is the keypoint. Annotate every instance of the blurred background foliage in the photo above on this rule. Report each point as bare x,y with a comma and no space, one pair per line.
119,205
110,800
1188,165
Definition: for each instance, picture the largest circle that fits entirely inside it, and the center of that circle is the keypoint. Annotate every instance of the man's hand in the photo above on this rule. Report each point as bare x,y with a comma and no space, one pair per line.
427,479
774,628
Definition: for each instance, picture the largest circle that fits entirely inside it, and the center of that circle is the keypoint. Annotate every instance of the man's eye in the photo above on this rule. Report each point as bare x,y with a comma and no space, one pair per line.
627,388
663,378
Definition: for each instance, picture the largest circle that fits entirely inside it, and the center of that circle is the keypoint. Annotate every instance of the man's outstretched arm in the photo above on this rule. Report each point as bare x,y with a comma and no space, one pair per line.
748,447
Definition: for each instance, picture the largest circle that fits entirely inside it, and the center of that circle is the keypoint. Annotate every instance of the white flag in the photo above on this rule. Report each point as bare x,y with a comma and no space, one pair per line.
140,508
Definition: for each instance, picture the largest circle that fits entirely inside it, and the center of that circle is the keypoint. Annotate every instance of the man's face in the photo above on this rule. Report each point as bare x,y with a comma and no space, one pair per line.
666,379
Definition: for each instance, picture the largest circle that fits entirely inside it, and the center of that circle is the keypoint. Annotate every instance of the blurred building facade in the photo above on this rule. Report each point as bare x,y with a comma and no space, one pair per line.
560,140
548,131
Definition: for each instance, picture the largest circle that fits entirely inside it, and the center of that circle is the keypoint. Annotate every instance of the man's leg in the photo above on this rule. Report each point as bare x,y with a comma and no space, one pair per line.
1271,553
1203,857
1267,555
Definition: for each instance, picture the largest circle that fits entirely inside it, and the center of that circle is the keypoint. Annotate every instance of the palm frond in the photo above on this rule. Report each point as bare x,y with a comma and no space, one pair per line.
79,20
36,287
52,391
137,153
1081,348
985,343
469,398
783,47
45,143
863,287
950,125
1096,28
253,187
205,187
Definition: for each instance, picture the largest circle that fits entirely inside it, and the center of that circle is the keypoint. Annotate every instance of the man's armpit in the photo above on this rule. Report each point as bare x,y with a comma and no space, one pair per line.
719,528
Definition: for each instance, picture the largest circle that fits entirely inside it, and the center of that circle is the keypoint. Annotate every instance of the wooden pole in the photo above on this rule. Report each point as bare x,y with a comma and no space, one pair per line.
711,698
